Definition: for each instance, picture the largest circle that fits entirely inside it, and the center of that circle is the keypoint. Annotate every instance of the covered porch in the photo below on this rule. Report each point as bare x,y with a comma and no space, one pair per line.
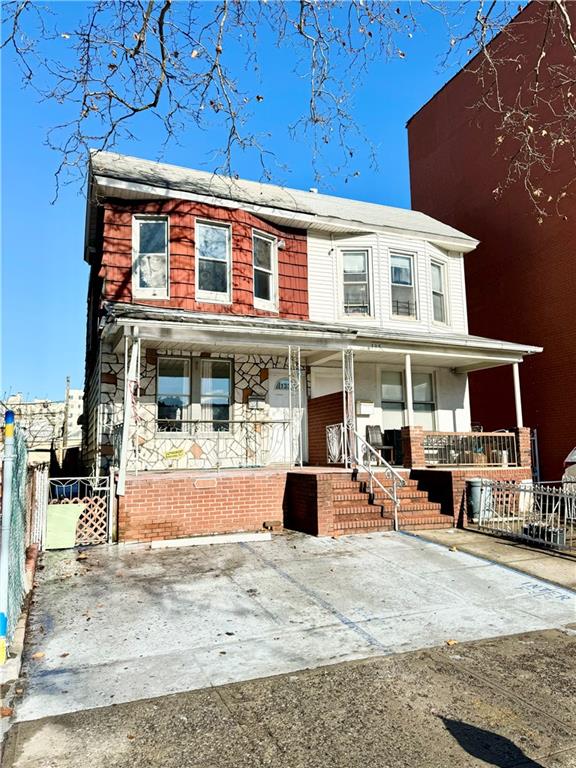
212,393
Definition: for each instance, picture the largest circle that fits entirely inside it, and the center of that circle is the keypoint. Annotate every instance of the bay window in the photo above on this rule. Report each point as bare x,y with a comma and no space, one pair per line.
150,267
438,293
212,262
356,282
403,285
172,393
264,258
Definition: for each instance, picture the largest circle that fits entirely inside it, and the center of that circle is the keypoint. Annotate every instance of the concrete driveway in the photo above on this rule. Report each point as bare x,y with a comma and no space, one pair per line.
125,625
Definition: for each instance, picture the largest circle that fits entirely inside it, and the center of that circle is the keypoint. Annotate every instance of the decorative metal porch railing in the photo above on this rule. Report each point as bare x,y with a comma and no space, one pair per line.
541,513
496,449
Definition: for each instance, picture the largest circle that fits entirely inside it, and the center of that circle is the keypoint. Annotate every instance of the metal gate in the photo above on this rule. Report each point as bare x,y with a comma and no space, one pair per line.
79,511
540,513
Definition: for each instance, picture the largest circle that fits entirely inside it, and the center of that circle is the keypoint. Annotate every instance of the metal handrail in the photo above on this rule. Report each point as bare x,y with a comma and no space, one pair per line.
389,471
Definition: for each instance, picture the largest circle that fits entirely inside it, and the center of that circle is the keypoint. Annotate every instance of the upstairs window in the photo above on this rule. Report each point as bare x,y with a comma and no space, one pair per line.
438,293
264,260
403,287
150,257
356,285
213,262
172,393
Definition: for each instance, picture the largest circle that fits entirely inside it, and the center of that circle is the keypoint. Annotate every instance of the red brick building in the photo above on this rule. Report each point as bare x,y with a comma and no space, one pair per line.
520,281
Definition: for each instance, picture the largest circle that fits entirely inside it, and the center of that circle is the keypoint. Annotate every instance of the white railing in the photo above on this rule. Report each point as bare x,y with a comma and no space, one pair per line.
354,451
495,449
541,513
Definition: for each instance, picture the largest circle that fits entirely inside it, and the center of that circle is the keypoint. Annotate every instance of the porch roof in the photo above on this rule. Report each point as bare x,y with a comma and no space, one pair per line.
320,343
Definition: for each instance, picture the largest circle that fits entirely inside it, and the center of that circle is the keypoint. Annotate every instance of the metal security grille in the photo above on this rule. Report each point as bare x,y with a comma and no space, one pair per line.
17,536
540,513
93,495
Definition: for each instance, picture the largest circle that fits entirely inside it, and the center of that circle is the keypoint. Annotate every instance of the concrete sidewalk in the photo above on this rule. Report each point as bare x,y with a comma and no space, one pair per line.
114,626
545,564
504,702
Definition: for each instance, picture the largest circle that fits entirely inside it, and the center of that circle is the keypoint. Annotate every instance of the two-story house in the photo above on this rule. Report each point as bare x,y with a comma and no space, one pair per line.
248,345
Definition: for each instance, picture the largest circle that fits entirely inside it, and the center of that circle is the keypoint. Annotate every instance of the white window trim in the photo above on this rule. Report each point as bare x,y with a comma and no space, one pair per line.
212,297
185,431
342,315
148,293
416,369
444,268
204,431
272,304
414,259
434,401
370,278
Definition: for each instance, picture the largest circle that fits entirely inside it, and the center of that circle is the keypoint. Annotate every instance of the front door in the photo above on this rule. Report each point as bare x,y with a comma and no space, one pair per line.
279,429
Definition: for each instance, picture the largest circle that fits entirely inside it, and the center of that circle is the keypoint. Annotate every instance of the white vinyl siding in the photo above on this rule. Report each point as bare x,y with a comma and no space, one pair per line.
326,298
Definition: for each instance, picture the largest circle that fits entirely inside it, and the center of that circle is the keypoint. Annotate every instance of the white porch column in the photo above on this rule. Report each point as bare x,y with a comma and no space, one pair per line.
349,406
517,395
408,381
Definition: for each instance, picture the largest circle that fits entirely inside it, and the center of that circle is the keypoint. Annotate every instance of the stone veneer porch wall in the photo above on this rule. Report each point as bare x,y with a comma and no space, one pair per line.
157,451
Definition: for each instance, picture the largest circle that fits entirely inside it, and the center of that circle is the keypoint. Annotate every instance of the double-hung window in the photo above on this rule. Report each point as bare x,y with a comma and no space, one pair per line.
212,262
438,293
403,285
356,283
172,393
215,394
264,257
150,257
423,400
393,400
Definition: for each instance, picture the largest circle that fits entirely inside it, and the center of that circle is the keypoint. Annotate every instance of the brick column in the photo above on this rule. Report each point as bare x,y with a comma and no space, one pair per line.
324,505
523,446
413,447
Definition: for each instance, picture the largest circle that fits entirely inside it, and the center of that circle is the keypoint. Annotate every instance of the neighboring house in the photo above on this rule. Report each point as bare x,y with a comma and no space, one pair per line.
51,426
248,320
521,280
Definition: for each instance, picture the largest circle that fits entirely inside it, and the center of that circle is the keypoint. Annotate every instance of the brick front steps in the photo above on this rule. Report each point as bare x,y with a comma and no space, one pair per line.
356,512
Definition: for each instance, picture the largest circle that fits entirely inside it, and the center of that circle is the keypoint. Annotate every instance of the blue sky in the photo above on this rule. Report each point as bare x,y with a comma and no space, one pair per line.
43,273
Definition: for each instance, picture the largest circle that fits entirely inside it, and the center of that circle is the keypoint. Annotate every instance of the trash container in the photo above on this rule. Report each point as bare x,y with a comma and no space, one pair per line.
474,498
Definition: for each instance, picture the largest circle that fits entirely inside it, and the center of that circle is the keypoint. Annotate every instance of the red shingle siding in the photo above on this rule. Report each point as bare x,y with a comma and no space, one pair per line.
117,258
521,281
157,507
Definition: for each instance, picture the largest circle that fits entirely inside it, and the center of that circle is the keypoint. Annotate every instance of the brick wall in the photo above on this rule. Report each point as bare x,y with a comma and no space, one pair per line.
116,269
171,506
322,411
309,506
521,282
